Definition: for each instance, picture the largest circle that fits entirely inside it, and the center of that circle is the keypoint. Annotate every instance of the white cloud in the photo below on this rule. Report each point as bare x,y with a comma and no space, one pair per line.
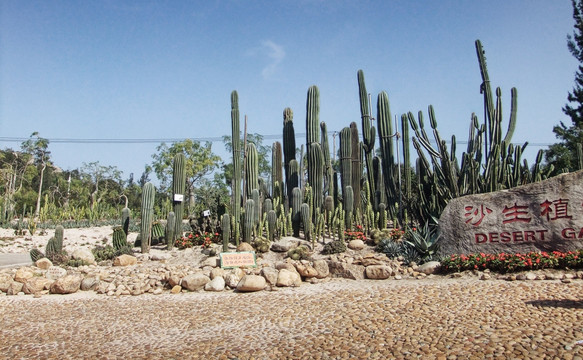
275,53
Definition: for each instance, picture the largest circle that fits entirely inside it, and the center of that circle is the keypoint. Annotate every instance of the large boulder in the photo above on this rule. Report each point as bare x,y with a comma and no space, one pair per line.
217,272
356,244
5,281
89,283
322,269
216,284
245,247
36,284
14,288
251,283
287,278
346,270
67,284
378,272
284,244
55,272
195,282
431,267
306,270
23,274
84,255
232,279
543,216
125,260
270,274
43,263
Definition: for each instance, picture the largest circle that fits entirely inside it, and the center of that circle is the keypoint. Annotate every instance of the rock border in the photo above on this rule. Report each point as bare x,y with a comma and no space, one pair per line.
151,274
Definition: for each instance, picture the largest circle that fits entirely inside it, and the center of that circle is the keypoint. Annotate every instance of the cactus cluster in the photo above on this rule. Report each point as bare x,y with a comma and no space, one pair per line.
374,191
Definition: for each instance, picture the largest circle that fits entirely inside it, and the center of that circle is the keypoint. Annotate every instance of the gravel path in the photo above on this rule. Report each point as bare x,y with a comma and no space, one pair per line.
341,319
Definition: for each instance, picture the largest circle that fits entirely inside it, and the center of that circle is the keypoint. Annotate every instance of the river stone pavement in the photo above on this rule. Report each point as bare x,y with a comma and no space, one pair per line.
443,318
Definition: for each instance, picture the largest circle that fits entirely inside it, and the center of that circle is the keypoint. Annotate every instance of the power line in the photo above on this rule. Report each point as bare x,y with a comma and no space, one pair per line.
175,140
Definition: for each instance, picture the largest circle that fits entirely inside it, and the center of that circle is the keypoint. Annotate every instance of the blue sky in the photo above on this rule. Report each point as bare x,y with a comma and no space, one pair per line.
113,69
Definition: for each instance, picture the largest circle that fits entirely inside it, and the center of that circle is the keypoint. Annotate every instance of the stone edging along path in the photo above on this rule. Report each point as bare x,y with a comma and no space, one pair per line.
190,270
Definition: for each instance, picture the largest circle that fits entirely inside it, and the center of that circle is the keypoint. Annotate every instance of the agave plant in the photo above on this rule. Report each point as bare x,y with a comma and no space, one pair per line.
425,240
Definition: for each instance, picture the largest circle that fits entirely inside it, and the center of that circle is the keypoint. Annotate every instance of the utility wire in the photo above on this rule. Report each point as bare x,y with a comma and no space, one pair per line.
174,140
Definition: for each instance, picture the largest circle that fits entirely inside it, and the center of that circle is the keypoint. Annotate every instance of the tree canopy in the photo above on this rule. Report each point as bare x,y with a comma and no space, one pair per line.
563,155
200,161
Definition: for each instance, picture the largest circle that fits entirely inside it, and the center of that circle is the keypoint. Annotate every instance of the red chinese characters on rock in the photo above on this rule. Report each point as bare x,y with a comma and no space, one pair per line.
550,209
516,213
554,210
476,214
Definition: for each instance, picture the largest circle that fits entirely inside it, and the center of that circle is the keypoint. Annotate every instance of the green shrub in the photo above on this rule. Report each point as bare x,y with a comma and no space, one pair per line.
334,247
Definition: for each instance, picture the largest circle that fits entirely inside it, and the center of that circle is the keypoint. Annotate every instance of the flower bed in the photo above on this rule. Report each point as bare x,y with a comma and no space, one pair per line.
190,240
504,263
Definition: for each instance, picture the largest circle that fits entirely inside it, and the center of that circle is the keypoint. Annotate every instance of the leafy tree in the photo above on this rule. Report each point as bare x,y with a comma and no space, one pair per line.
38,148
104,180
212,195
200,161
16,171
263,156
563,155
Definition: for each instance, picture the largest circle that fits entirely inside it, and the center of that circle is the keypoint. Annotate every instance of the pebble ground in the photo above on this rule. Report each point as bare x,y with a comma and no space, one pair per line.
341,319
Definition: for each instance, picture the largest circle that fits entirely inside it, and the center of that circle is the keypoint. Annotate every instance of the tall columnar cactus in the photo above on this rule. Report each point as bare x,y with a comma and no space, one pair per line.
312,116
294,176
249,220
345,159
387,151
289,149
380,195
257,207
490,162
119,238
170,230
368,133
276,172
148,195
328,170
356,165
406,167
329,211
267,205
349,206
125,219
305,214
271,224
252,170
295,210
226,231
382,216
315,176
236,182
494,114
178,191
